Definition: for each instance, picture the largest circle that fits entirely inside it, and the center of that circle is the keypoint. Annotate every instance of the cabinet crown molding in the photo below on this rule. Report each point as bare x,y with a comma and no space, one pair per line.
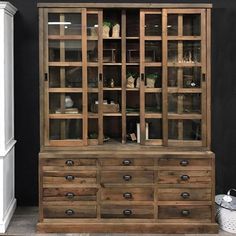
8,7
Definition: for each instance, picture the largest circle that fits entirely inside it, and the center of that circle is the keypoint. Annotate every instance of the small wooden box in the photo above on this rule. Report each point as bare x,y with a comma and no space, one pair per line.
106,108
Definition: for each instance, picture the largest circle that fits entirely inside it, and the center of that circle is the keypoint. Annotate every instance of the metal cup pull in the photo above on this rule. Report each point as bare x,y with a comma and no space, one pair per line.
127,212
184,177
184,163
70,163
126,162
69,212
70,177
185,195
127,195
127,177
185,212
70,195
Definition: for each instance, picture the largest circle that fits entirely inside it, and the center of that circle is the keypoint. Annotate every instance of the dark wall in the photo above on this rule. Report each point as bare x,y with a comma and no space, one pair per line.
27,95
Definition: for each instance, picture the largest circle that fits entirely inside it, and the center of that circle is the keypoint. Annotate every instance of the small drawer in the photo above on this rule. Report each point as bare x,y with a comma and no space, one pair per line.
89,211
184,177
127,177
175,194
184,162
72,177
185,213
123,211
126,161
127,194
70,194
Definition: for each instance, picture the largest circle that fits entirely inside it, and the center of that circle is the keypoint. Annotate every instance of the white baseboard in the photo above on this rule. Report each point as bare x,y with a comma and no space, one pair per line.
11,209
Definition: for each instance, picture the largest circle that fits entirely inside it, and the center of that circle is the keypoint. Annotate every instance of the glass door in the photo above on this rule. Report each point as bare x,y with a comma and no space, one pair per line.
65,77
151,77
185,73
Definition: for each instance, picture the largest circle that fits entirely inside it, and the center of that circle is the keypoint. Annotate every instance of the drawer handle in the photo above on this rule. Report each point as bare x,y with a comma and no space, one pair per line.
127,195
70,163
184,163
70,195
127,162
185,195
184,177
185,213
70,177
69,212
127,177
127,212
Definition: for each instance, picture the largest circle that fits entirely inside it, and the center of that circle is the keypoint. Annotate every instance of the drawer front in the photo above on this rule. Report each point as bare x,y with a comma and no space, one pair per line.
70,194
184,162
127,177
115,211
126,162
70,211
72,177
198,194
127,194
185,213
183,177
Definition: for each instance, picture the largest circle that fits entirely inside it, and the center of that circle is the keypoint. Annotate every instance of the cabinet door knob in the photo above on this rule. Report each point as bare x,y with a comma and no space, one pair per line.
70,195
184,163
184,177
127,212
185,213
127,177
70,177
185,195
69,163
127,195
69,212
127,162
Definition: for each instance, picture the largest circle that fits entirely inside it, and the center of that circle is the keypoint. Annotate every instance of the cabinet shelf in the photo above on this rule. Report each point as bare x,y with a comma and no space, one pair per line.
112,89
133,38
65,90
112,114
65,116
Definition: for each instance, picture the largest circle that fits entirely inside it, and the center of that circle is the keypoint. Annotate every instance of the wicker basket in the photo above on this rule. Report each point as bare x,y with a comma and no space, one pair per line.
226,211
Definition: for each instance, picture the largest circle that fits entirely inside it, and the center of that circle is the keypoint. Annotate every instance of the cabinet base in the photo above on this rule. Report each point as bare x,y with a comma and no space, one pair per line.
165,228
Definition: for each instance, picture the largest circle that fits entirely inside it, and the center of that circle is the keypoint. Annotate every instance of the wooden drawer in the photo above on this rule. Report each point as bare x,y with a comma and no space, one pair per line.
184,176
126,162
127,177
70,194
183,194
72,177
184,162
123,211
127,194
89,211
185,213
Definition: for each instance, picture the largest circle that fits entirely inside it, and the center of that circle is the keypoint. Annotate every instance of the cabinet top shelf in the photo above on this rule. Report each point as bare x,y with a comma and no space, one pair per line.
126,5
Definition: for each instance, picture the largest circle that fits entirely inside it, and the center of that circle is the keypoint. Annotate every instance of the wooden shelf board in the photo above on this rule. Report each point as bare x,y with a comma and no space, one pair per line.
132,114
92,90
62,64
132,89
112,114
112,38
132,37
184,116
112,63
152,64
153,90
66,116
64,37
92,115
92,37
112,89
152,38
92,64
65,90
184,38
132,64
149,115
177,64
184,90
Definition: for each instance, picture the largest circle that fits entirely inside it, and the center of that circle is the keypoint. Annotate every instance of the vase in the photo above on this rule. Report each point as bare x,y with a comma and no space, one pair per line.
105,31
130,82
116,31
68,102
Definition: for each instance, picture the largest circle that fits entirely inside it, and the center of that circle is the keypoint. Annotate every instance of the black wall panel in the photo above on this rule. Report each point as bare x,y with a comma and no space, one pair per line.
27,94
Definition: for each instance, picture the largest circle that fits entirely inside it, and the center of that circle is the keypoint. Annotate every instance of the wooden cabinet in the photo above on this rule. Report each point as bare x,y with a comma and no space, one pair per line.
125,118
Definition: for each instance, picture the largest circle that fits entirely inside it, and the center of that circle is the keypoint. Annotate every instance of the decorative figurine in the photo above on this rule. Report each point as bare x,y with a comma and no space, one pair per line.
106,29
116,31
151,80
138,82
68,102
112,83
130,82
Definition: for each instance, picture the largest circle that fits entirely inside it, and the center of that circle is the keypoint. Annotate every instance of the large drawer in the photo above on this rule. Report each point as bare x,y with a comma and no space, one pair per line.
70,177
70,194
123,211
185,213
183,194
184,176
89,211
127,177
126,162
127,194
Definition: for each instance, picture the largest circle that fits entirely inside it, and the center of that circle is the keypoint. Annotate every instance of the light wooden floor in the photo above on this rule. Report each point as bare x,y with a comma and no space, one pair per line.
25,219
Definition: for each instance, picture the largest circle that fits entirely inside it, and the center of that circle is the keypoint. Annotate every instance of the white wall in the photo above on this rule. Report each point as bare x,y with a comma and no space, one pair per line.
7,142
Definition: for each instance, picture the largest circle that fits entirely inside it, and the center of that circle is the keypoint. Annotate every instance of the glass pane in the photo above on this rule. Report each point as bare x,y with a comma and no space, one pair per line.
132,77
93,102
92,51
112,129
112,76
132,102
153,103
191,52
65,51
190,77
111,51
69,103
74,26
153,77
172,25
132,49
92,77
184,103
153,51
132,23
65,129
69,77
153,128
153,25
111,101
184,129
92,25
192,25
93,128
131,128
